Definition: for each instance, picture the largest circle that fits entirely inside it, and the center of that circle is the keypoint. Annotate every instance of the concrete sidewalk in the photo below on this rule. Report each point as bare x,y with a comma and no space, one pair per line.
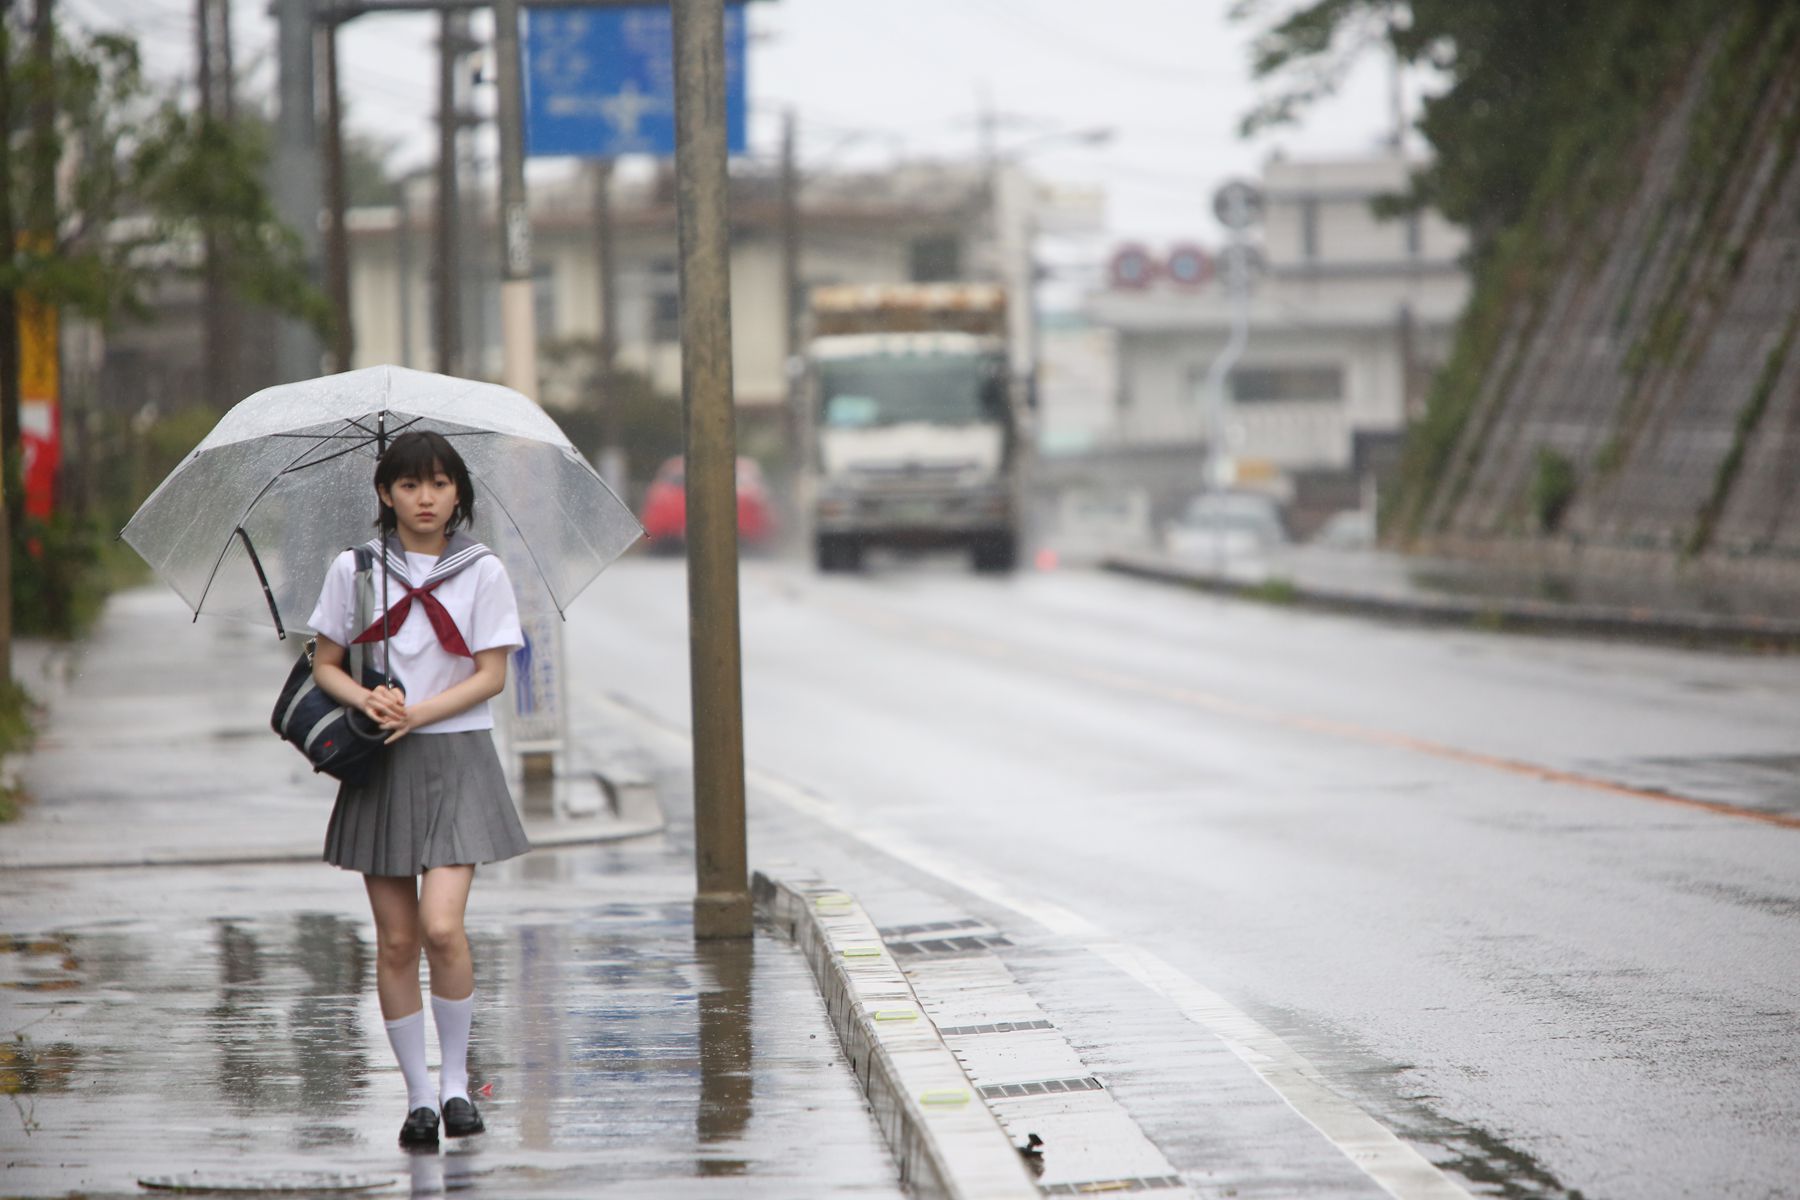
210,1022
1384,584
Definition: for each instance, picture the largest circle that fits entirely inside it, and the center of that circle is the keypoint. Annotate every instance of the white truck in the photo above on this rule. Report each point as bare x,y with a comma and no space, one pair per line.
914,433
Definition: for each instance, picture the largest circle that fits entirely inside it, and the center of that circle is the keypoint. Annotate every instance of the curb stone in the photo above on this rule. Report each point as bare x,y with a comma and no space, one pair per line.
1504,613
946,1141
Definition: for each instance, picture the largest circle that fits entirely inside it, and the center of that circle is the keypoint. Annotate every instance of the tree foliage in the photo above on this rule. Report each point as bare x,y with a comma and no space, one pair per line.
140,182
1526,83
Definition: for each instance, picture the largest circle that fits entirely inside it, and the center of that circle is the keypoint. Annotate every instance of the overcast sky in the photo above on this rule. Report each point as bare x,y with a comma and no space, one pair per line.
876,79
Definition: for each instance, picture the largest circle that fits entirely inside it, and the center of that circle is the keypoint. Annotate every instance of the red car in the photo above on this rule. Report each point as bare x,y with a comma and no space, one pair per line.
665,506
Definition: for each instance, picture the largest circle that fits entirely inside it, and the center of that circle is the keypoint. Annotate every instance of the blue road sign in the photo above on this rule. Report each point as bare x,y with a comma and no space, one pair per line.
600,82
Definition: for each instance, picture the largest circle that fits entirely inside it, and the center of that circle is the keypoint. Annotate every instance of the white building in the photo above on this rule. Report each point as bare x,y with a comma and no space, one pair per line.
920,223
1347,319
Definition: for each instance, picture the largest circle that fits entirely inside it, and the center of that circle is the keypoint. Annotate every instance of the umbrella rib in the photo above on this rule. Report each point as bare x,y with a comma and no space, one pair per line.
370,435
364,441
526,542
254,501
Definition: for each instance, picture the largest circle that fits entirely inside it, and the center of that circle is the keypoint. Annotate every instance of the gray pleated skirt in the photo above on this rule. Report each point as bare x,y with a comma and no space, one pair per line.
434,800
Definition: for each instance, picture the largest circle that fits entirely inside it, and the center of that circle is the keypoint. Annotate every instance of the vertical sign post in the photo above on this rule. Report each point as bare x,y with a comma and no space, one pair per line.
1239,206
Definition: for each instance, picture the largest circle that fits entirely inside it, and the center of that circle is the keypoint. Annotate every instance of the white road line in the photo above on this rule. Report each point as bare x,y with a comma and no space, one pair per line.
1397,1167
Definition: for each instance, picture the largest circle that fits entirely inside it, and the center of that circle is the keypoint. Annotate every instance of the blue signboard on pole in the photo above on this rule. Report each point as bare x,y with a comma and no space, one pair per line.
600,82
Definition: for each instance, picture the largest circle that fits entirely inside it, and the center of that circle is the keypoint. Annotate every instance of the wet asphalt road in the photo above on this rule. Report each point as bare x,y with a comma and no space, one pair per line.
1533,903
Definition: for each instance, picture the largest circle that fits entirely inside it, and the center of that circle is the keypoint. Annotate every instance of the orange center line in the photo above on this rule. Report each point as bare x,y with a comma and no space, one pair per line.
1343,730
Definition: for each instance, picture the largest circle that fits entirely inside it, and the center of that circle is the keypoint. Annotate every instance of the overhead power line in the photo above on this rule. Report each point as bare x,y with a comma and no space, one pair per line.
1031,25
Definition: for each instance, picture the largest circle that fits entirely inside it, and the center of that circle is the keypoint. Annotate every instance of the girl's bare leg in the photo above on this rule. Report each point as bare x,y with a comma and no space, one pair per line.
394,900
443,898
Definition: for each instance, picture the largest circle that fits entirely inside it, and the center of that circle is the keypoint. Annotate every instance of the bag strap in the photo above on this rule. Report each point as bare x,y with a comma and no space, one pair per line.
365,607
366,614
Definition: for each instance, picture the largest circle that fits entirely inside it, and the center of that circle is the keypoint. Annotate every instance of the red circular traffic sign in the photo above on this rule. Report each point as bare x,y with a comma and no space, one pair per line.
1132,267
1188,266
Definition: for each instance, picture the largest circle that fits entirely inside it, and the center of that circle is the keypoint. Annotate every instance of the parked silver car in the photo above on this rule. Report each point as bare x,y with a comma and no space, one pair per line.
1226,526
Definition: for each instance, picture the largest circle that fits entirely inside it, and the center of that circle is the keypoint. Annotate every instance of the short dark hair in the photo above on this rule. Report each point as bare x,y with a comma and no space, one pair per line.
420,454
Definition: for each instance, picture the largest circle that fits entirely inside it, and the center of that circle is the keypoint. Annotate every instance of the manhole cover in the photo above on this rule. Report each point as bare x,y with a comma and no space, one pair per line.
276,1184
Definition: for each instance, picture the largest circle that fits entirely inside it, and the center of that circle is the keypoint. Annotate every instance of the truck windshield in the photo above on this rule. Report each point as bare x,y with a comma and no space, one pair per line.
892,389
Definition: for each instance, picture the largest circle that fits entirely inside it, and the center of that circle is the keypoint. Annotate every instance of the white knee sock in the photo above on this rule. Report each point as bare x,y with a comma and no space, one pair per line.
407,1036
453,1018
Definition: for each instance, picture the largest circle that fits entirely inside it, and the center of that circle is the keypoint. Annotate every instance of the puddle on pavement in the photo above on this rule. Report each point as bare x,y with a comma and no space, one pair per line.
1765,782
1389,1091
157,1039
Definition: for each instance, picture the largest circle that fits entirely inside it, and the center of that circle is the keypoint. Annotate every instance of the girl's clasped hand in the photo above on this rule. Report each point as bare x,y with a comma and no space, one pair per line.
386,706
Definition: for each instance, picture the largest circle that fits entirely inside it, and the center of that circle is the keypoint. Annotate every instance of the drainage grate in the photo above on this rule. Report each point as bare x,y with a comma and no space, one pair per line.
1093,1187
931,927
952,945
1041,1087
995,1027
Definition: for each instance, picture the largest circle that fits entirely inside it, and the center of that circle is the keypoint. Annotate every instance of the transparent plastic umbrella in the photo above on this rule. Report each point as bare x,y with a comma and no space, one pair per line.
246,525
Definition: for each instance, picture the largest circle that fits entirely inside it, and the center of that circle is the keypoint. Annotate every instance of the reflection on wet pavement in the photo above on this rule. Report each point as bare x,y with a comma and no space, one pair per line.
206,1025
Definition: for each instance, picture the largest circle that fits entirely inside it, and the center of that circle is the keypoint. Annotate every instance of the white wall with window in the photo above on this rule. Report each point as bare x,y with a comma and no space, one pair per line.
1349,316
900,227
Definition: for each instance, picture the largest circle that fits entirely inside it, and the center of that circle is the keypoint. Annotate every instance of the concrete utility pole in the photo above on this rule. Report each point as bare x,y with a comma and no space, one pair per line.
793,298
9,334
343,333
518,320
613,464
453,37
297,172
722,902
217,103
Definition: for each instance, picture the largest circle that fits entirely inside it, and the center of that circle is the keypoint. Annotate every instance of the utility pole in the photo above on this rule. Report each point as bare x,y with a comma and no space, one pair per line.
792,298
343,333
404,250
297,172
790,233
9,343
612,440
453,36
518,321
217,106
722,900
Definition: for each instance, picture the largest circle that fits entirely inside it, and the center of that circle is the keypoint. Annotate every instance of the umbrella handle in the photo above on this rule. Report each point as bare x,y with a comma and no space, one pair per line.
268,595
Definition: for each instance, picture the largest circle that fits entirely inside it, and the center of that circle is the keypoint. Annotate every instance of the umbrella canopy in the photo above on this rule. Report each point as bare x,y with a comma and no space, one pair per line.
248,523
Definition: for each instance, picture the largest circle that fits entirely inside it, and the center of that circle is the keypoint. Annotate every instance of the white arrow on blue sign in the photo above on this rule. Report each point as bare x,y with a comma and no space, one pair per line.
600,82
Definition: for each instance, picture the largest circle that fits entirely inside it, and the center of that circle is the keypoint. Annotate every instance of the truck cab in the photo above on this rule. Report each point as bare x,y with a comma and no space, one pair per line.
913,431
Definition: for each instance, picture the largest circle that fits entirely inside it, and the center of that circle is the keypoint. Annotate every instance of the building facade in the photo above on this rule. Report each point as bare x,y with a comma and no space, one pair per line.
918,224
1348,316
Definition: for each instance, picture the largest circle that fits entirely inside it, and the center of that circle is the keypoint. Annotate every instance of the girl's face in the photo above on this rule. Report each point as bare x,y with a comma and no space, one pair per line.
422,507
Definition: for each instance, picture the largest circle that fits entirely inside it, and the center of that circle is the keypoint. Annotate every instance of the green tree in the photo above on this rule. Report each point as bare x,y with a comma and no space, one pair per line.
108,188
1520,76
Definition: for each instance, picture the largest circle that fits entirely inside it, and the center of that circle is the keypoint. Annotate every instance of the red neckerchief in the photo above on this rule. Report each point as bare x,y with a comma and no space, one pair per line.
459,553
449,637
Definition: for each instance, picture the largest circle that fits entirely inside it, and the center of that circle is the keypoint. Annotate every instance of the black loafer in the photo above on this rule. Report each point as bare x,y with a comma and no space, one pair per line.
421,1128
461,1118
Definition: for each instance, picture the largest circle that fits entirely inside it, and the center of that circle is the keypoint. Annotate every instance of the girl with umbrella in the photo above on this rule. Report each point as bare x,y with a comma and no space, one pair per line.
436,803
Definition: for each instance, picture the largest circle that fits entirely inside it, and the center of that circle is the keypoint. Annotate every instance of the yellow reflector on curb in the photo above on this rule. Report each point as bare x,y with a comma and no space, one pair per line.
944,1097
896,1014
834,900
861,952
